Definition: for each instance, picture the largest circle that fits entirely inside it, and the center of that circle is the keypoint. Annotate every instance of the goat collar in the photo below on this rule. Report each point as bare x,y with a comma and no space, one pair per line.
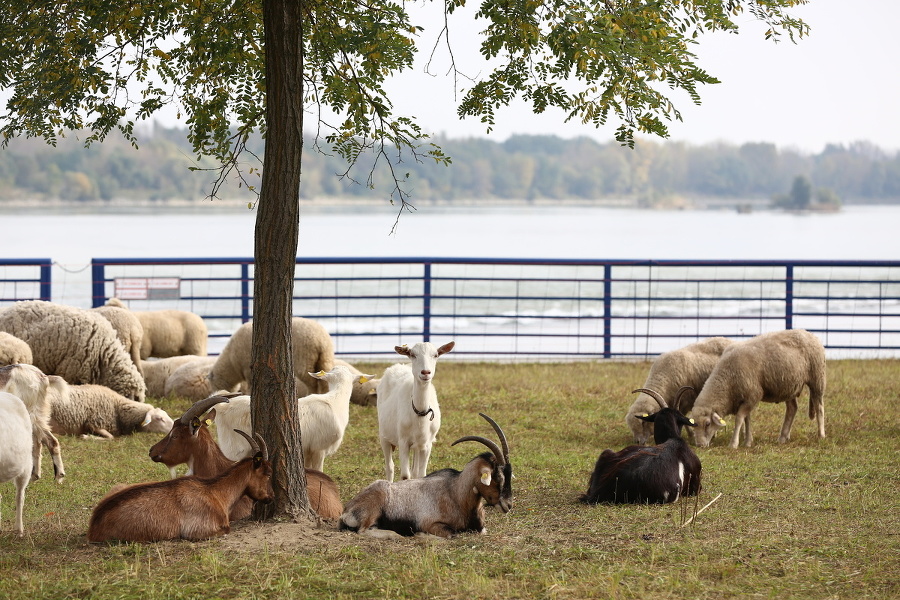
422,413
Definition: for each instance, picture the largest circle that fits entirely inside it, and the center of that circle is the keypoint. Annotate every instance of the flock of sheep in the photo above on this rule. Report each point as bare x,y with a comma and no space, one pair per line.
87,372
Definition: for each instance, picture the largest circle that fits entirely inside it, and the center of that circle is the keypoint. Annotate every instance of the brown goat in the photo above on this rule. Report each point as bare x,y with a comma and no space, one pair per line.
190,442
192,508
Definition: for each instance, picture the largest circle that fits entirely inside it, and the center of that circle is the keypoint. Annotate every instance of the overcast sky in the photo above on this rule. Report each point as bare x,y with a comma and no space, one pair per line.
839,85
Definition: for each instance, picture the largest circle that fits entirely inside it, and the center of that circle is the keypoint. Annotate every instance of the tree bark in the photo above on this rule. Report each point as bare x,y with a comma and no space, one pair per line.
274,403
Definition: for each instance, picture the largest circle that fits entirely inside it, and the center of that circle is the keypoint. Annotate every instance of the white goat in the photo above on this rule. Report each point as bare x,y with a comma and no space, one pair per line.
408,413
29,383
323,418
15,450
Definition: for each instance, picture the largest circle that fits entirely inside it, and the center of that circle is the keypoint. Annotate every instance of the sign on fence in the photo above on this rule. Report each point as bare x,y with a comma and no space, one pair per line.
148,288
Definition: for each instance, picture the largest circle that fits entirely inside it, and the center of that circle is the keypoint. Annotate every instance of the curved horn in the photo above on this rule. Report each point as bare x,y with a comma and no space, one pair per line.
262,444
501,460
500,435
681,391
201,406
652,394
254,447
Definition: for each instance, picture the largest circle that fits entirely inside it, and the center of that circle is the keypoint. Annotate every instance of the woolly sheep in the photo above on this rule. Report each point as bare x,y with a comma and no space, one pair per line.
157,371
313,352
688,366
78,345
13,350
364,394
97,410
169,332
191,380
15,451
128,329
772,367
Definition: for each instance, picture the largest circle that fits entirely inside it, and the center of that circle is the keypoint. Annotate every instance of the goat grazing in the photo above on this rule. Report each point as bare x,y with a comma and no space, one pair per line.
442,504
29,383
191,508
15,449
190,442
410,428
649,474
771,367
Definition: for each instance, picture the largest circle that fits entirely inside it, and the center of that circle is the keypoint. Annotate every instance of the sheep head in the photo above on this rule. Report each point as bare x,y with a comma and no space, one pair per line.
495,481
707,423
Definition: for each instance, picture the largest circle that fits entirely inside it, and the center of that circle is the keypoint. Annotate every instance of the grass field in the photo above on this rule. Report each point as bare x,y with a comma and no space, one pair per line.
808,519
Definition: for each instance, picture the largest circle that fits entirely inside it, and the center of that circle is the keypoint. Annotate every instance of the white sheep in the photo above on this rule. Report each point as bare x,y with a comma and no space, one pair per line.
364,394
157,371
323,418
128,329
78,345
16,460
33,387
169,332
191,380
313,351
408,413
772,367
97,410
13,350
688,366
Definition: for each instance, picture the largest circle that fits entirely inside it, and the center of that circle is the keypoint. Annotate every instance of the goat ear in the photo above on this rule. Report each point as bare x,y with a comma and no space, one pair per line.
486,476
404,349
211,415
446,348
646,417
195,426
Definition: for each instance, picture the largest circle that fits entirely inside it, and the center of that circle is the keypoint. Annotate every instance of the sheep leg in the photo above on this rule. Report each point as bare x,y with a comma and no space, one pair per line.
741,420
790,409
101,432
388,449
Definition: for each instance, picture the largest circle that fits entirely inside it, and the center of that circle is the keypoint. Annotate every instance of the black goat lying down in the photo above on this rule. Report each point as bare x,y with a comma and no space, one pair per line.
649,474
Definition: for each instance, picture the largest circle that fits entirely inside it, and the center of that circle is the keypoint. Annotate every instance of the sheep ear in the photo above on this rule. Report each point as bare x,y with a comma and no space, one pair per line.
147,419
362,378
718,420
318,375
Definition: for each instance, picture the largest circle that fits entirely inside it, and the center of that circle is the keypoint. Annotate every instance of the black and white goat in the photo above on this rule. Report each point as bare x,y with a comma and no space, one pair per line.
442,504
649,474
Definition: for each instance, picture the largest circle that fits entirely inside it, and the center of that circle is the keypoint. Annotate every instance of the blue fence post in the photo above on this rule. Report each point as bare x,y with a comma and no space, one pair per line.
789,297
98,284
607,311
245,292
46,288
426,302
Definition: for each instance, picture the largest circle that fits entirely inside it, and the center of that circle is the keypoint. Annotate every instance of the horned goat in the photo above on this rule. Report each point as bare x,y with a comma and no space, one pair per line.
32,386
442,504
771,367
649,474
688,366
192,508
15,450
408,413
190,442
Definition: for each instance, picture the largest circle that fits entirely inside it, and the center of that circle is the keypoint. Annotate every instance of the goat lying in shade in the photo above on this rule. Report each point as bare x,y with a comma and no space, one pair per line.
442,504
649,474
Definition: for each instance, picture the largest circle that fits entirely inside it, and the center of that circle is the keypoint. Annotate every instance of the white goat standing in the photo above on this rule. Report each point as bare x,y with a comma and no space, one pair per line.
408,413
15,450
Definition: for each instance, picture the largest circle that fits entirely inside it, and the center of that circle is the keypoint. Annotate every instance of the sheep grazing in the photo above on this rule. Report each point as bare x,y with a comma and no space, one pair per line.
364,392
16,461
688,366
78,345
128,329
323,418
408,413
13,350
313,351
169,332
192,508
649,474
772,367
97,410
191,380
157,371
33,387
190,442
442,504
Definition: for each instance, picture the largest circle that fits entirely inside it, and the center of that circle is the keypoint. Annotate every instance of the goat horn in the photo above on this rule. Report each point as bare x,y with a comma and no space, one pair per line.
681,391
501,460
254,447
200,407
262,444
500,435
652,394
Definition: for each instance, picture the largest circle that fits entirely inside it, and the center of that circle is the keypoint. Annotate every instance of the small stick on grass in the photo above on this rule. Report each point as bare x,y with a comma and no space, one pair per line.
702,509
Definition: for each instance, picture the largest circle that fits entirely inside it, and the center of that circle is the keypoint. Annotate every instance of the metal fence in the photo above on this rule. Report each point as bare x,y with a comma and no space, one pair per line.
519,309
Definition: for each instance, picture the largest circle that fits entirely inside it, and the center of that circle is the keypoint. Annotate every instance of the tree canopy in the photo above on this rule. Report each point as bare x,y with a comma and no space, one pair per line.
239,66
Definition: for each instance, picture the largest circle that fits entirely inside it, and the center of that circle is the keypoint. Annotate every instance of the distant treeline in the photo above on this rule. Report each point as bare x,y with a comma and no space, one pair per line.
524,167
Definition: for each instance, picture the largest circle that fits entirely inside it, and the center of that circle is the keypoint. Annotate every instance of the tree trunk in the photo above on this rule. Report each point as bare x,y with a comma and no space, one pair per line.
274,405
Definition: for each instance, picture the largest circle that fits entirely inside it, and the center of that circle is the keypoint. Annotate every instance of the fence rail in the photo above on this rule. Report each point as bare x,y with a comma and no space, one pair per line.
524,309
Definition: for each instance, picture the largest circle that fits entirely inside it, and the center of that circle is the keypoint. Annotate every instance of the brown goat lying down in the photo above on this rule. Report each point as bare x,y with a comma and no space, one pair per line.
191,508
